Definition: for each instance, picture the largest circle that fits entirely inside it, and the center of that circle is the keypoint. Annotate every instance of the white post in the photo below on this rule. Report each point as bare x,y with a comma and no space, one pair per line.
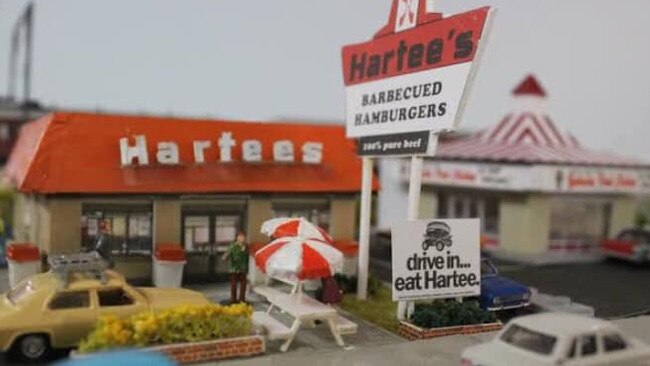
405,308
415,186
364,228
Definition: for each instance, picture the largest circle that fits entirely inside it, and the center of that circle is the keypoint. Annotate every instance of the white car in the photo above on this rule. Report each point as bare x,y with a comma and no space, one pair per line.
558,339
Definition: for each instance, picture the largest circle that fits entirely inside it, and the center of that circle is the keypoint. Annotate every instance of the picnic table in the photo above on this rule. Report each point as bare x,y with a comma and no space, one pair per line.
304,309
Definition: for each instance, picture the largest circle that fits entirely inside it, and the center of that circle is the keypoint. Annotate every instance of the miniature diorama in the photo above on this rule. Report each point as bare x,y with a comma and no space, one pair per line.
412,228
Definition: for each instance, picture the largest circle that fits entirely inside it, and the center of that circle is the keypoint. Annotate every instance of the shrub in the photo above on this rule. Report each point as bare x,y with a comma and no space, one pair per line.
449,313
176,325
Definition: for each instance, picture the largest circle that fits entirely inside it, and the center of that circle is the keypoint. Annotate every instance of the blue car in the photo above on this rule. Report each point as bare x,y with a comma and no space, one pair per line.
500,293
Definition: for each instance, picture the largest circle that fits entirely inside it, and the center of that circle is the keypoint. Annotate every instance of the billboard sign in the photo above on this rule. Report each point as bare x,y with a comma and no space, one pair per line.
415,78
436,259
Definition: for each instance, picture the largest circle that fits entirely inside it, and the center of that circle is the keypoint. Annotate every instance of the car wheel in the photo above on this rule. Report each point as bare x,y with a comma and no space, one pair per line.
32,347
440,245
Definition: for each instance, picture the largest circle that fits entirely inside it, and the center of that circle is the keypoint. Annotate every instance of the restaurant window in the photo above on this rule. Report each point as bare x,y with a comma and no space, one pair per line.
581,219
464,205
127,228
208,231
318,214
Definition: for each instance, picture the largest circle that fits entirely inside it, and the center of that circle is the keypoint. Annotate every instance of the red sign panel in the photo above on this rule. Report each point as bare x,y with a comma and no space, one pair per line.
440,43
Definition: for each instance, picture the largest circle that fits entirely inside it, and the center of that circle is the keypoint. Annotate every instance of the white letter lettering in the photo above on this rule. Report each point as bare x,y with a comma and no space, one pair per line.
226,143
312,153
283,151
167,153
139,151
251,150
199,148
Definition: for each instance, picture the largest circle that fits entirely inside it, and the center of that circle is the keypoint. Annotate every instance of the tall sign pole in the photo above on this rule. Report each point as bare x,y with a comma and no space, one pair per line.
403,87
364,227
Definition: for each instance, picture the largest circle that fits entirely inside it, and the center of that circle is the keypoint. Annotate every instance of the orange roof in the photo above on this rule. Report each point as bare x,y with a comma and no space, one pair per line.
80,153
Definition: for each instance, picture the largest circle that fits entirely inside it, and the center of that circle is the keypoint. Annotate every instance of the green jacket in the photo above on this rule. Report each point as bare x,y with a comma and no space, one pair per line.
238,258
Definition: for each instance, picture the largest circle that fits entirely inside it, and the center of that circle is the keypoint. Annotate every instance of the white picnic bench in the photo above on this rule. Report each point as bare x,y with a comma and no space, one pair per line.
304,309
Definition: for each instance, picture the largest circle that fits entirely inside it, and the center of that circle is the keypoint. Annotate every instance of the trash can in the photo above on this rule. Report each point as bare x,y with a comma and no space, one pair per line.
168,263
24,260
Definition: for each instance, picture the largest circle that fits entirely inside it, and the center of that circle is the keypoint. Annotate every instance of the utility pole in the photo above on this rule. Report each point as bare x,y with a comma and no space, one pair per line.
22,32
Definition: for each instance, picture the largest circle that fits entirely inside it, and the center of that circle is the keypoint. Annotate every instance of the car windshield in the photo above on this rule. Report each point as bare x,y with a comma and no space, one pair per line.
527,339
20,292
487,268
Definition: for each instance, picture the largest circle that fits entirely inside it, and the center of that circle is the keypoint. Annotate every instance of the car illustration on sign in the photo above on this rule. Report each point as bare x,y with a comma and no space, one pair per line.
500,293
43,313
630,244
558,339
437,235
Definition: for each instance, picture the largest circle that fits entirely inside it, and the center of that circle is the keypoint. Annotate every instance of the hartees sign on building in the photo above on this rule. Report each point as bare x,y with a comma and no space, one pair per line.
436,259
412,79
167,152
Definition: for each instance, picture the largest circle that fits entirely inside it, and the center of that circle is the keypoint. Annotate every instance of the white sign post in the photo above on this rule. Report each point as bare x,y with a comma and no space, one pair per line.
436,259
404,86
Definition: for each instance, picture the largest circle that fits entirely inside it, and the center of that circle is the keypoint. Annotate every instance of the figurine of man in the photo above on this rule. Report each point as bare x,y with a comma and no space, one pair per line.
237,254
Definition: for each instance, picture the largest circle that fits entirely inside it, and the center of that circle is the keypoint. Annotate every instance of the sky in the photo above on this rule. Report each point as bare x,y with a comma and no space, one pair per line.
280,59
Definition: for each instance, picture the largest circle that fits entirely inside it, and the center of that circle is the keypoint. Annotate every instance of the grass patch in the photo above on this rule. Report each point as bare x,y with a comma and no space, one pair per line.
379,309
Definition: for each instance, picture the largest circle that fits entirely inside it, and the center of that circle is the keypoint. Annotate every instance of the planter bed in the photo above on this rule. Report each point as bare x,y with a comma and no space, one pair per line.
413,332
219,349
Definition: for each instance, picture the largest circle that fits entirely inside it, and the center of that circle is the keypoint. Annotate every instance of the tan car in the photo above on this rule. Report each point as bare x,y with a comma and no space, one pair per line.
42,313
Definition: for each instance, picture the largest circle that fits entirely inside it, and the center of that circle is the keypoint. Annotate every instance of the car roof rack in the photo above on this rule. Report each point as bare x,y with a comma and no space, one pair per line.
92,263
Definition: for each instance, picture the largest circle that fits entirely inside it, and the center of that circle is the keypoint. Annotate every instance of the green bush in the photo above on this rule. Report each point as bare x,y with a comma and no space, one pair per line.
179,324
450,313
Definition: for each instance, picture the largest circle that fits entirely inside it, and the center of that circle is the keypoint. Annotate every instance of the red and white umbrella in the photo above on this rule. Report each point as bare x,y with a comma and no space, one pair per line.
296,226
298,259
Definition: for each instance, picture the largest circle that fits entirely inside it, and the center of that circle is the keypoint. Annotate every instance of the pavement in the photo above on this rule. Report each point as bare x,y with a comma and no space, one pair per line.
440,351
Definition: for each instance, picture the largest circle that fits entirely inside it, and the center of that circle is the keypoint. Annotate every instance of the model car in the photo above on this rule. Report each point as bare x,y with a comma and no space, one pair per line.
630,244
498,292
44,312
558,339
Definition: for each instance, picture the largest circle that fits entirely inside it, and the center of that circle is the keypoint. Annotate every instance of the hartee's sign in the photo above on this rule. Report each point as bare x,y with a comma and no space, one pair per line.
135,151
412,76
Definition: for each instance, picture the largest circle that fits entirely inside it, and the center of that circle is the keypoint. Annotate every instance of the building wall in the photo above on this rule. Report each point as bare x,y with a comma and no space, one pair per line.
428,203
64,220
392,199
259,210
524,223
343,217
167,221
623,214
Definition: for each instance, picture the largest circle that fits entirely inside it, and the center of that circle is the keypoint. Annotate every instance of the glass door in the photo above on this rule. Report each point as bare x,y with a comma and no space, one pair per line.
206,236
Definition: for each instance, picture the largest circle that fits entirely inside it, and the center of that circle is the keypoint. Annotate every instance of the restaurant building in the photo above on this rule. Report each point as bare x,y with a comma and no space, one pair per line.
540,194
144,181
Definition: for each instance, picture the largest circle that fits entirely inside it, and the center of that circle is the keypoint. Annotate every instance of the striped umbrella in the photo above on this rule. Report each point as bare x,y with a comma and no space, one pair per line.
297,259
294,226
